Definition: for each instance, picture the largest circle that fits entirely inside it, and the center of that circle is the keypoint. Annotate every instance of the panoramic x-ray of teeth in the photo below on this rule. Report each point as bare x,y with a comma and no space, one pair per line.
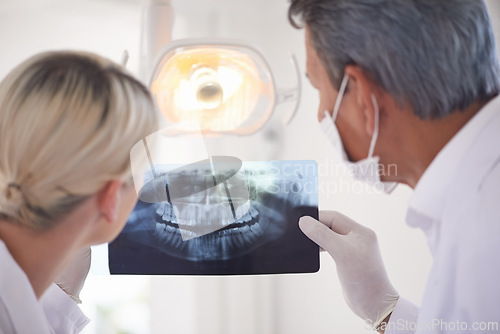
193,220
203,197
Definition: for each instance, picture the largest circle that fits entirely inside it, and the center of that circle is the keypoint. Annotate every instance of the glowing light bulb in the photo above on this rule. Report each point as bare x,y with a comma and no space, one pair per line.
230,81
205,83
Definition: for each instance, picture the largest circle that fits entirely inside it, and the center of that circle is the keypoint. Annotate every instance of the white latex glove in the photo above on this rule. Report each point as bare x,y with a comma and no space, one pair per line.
73,276
365,285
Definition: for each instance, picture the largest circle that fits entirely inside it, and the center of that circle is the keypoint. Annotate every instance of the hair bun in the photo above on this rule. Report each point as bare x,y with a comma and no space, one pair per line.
13,190
11,198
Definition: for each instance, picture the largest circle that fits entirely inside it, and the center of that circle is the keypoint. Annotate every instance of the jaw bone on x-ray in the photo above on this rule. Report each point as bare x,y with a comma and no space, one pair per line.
219,217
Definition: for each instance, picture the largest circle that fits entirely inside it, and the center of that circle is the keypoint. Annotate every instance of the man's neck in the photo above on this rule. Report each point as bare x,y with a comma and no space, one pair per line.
422,140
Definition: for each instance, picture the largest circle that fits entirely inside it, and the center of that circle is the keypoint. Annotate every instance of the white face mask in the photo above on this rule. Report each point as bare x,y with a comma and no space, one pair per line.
366,170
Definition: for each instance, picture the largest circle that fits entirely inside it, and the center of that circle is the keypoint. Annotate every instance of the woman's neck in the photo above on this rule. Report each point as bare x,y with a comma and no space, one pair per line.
43,255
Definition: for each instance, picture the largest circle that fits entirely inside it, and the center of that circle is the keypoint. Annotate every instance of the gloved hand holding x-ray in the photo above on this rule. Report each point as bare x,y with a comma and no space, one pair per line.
365,285
217,215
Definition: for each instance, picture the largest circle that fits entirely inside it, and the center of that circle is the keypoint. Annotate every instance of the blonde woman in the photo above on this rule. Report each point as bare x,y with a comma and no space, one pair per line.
67,124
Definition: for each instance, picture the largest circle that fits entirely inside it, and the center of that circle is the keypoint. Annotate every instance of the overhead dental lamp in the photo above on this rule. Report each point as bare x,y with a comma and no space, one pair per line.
218,86
221,86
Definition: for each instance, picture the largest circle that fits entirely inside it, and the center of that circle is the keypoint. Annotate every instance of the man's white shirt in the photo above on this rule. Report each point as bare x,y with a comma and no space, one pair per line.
456,203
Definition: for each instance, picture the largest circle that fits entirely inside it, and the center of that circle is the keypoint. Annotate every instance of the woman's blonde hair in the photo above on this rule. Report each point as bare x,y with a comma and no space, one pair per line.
67,123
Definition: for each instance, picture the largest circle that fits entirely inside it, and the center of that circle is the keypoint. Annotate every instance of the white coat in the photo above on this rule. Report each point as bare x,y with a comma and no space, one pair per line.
22,312
456,203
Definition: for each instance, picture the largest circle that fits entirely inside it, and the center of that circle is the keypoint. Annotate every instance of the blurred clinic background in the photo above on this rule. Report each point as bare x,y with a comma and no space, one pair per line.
292,304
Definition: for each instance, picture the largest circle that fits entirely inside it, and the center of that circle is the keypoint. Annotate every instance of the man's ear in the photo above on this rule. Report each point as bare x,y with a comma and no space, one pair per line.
108,200
363,88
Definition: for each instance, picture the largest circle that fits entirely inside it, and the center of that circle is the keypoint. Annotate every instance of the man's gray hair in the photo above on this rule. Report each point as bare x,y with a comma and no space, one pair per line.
436,55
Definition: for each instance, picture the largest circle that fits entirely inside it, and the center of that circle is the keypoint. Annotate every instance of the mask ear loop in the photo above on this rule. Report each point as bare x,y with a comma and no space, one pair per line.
336,108
375,131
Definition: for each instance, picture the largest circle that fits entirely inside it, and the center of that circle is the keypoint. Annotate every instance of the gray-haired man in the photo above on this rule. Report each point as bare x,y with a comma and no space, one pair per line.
413,83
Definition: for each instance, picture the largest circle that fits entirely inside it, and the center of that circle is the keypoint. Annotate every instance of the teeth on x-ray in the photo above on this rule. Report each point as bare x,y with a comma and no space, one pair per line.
200,227
220,202
206,196
169,222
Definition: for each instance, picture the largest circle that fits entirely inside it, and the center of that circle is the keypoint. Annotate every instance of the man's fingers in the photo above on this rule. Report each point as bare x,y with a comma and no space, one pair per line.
337,222
321,235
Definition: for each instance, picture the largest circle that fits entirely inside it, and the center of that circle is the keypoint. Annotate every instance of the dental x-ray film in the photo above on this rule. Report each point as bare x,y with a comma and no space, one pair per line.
221,216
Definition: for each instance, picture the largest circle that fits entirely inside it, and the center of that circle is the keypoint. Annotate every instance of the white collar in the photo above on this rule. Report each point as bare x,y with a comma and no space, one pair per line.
426,202
17,294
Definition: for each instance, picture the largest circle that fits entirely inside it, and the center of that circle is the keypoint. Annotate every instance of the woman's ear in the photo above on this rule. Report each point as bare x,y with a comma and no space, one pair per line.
108,200
363,88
